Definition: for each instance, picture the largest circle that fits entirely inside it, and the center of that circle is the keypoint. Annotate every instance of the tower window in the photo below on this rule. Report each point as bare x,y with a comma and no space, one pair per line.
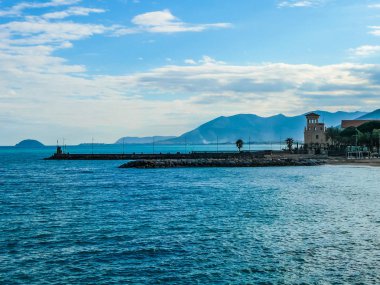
317,137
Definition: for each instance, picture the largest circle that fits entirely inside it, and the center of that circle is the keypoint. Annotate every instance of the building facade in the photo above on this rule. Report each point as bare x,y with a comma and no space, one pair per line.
315,134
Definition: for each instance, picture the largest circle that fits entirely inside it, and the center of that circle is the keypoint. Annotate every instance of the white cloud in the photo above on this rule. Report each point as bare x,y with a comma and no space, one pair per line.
190,61
206,60
374,6
43,96
37,32
72,11
374,30
29,31
365,51
18,8
158,18
212,76
50,97
299,3
165,22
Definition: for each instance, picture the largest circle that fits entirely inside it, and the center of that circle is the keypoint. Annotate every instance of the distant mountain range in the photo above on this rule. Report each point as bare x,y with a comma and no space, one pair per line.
143,140
262,129
375,115
243,126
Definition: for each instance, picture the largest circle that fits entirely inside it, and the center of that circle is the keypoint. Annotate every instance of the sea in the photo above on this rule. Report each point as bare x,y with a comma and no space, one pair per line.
90,222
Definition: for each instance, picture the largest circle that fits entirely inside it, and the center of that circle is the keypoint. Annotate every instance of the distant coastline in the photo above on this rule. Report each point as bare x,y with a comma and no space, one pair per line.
250,128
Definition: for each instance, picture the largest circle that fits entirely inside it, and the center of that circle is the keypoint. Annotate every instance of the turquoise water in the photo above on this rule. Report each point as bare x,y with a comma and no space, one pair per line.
88,222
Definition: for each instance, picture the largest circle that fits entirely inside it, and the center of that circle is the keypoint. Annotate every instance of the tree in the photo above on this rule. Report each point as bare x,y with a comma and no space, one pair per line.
333,135
376,138
369,132
239,144
349,132
289,142
369,127
350,136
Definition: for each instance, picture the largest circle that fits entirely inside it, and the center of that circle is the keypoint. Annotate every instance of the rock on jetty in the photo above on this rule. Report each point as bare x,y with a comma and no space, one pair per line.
209,162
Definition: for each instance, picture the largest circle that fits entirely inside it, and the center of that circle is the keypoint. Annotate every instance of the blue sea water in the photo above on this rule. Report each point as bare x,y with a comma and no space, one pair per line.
89,222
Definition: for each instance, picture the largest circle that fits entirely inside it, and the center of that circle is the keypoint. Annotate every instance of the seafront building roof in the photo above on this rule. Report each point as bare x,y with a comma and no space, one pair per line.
355,123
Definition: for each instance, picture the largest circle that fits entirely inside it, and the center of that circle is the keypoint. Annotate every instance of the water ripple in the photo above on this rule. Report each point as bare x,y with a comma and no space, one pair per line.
87,222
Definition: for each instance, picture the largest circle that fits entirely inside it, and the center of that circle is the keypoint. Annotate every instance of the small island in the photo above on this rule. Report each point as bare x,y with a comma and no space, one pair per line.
29,143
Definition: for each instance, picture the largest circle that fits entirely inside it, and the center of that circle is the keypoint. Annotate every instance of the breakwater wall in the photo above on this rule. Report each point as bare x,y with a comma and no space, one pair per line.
160,156
212,162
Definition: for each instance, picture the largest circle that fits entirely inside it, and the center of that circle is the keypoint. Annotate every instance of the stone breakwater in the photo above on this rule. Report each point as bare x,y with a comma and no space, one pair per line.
160,156
209,162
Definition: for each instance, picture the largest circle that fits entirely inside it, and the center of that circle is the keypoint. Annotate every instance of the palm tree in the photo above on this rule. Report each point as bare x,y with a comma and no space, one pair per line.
239,144
289,142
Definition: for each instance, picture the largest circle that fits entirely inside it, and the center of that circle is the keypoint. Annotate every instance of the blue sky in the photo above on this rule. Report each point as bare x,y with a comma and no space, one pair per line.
106,69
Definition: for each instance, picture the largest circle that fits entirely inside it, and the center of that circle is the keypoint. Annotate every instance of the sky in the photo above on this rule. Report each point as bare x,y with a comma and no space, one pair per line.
104,69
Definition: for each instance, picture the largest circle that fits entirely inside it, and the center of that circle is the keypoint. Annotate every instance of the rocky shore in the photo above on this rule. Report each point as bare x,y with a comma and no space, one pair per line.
208,162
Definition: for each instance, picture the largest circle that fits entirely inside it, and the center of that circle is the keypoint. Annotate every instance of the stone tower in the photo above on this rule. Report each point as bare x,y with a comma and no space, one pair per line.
315,134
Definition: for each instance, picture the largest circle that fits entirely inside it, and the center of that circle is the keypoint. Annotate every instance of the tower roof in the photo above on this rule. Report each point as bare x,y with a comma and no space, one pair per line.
312,115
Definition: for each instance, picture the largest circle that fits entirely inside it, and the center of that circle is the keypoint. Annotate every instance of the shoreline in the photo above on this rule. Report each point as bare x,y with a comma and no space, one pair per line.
374,162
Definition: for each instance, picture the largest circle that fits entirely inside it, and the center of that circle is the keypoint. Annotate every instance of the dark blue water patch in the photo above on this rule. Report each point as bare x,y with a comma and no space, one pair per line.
88,222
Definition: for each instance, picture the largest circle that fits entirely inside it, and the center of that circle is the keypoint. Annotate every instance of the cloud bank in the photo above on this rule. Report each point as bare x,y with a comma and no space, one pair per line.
170,99
44,96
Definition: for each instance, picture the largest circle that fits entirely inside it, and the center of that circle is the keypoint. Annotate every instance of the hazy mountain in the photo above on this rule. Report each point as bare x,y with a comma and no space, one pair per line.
29,144
375,115
142,140
259,129
335,119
